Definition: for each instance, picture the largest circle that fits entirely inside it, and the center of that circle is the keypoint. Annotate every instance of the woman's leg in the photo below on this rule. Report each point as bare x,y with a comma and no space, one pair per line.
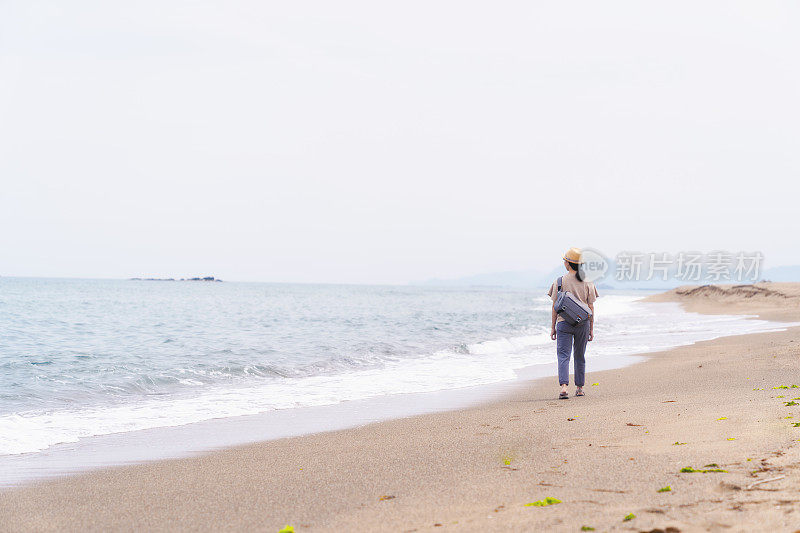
581,336
563,349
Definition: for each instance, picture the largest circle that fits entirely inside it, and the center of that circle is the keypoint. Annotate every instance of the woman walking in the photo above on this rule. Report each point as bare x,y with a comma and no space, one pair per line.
572,338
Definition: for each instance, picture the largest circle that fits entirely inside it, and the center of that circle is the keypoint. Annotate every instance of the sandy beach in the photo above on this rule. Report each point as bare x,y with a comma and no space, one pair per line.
715,405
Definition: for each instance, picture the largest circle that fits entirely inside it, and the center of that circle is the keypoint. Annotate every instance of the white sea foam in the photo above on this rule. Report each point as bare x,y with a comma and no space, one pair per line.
624,326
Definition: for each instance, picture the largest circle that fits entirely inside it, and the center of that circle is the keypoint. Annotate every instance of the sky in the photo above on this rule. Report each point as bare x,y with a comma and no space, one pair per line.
387,142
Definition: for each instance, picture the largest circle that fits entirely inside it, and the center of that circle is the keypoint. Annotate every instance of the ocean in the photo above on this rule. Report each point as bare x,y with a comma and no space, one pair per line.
83,358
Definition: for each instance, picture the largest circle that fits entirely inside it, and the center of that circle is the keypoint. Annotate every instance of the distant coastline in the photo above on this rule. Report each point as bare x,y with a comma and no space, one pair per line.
206,278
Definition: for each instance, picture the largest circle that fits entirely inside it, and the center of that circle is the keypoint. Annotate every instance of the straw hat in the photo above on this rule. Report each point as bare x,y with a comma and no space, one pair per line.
573,255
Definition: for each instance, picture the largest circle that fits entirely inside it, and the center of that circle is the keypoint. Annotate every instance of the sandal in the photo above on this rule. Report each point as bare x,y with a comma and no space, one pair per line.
563,396
580,393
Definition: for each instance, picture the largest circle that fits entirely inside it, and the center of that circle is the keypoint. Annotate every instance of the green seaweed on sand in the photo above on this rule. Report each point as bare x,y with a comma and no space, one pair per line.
587,528
629,517
287,529
790,404
676,443
595,385
731,438
543,503
665,489
780,396
796,425
689,470
781,387
722,418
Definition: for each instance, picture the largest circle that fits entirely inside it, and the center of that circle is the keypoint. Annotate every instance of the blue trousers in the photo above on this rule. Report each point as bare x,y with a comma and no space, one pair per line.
571,339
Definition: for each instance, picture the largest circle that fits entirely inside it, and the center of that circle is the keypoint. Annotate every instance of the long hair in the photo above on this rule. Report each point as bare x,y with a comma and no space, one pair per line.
577,269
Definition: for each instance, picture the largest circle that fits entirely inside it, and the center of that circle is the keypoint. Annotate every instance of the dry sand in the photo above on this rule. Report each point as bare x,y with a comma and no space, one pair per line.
605,456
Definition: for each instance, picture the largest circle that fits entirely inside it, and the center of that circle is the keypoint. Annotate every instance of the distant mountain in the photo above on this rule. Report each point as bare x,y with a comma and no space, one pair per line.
517,279
207,278
783,273
539,279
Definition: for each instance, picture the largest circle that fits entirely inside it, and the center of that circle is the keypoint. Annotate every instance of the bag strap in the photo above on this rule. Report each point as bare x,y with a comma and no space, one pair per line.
559,284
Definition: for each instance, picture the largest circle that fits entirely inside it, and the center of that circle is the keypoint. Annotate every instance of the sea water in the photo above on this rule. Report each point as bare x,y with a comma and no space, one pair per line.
82,358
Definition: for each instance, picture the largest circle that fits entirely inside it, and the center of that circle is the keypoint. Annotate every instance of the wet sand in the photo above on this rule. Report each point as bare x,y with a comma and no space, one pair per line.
605,456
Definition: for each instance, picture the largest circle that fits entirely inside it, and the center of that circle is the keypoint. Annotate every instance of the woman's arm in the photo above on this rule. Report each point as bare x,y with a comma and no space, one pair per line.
553,316
591,322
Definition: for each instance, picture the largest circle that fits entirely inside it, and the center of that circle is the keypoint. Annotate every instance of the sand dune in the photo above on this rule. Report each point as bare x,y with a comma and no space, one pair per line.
773,301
